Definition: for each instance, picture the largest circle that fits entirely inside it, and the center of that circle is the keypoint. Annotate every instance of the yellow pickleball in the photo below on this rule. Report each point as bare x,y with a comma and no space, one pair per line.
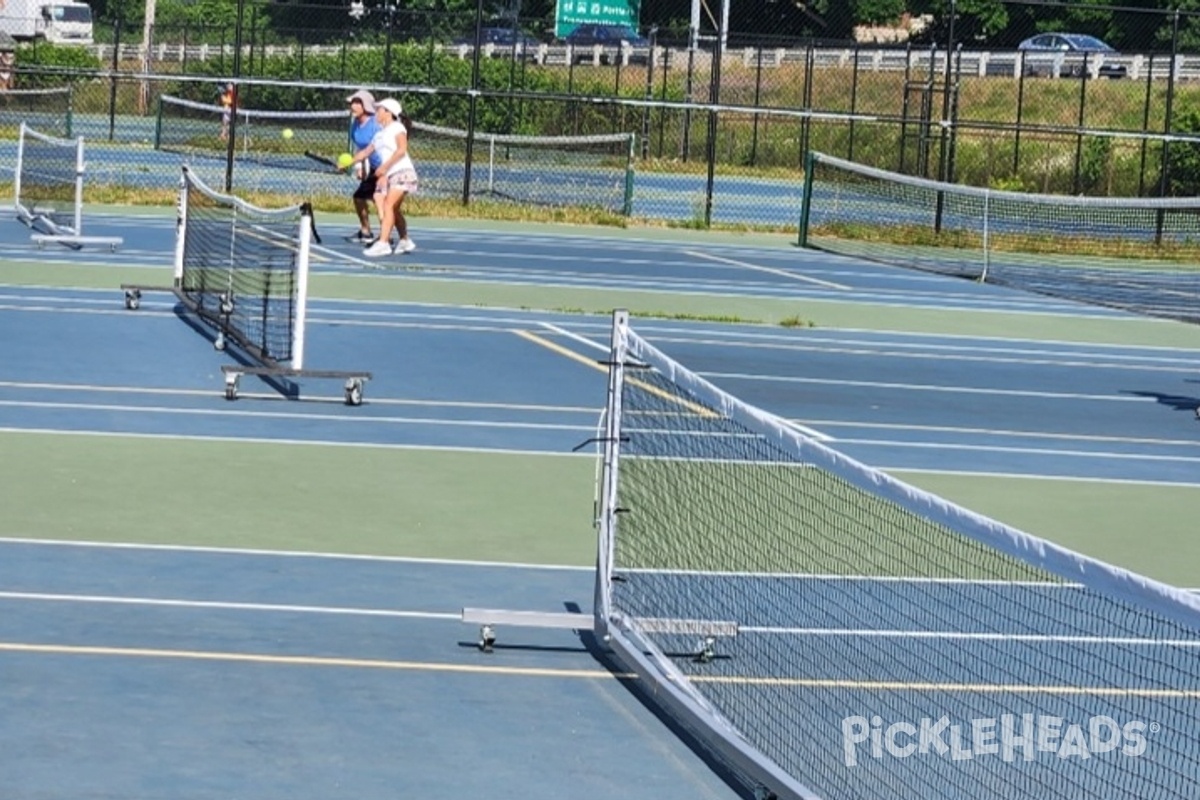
287,133
345,160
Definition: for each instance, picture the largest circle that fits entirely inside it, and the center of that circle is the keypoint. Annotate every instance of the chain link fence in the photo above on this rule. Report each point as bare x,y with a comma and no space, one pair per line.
721,129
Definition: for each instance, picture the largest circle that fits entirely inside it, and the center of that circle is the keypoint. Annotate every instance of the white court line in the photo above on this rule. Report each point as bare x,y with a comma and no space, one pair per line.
212,412
918,387
457,617
811,433
771,270
575,337
303,554
986,355
970,473
1036,451
213,604
1006,433
86,387
173,437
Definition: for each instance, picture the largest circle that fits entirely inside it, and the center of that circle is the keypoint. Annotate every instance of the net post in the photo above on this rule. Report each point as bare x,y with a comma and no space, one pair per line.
987,245
810,163
77,219
302,258
610,454
181,208
158,124
491,164
17,172
627,200
68,122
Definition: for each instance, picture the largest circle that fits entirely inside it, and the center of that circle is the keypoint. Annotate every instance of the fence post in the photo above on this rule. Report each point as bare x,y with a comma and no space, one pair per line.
112,91
649,93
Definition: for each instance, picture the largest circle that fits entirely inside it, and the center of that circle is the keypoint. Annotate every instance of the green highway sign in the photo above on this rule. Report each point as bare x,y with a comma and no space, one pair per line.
570,14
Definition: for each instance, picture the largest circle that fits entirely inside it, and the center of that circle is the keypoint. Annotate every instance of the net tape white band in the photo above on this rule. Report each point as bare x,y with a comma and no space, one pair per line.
194,182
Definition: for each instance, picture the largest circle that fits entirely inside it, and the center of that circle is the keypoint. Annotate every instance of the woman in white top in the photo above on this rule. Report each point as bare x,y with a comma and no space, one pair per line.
396,178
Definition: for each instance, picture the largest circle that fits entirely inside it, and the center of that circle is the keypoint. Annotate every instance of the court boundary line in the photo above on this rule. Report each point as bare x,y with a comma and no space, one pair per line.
771,271
968,473
102,389
1182,363
552,453
31,648
546,672
310,554
317,442
228,605
919,387
1037,451
1008,432
292,415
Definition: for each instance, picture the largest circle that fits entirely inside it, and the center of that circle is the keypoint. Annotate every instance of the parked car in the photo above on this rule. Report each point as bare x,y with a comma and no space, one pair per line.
503,40
1069,54
610,38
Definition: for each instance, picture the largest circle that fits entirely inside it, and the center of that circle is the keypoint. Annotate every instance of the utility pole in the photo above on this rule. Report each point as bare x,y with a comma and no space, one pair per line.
147,60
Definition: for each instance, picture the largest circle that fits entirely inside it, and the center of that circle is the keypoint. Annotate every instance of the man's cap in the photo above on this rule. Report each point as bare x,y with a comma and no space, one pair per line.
392,105
366,98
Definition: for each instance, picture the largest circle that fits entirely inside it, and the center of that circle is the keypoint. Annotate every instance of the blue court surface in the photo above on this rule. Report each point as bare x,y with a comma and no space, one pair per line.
170,668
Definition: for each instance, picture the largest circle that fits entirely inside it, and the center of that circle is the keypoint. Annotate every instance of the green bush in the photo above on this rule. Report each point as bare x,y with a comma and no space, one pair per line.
1183,158
42,56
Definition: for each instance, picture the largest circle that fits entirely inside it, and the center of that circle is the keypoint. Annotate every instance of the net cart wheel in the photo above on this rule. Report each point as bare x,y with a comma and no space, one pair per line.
354,392
219,342
231,386
133,299
487,638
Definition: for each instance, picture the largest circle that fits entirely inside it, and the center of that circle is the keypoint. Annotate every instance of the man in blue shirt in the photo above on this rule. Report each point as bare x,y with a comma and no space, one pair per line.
362,130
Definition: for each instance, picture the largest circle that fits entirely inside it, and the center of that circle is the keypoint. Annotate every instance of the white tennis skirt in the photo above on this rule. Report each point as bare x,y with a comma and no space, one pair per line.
404,179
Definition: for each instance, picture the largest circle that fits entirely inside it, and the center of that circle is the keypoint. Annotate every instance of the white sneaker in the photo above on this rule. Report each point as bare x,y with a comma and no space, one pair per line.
406,246
379,248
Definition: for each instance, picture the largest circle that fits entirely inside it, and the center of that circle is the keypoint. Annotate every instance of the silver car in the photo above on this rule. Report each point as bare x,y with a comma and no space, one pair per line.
1069,55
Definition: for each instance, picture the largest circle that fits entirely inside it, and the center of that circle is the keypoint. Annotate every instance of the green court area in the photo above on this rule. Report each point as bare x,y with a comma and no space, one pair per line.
359,497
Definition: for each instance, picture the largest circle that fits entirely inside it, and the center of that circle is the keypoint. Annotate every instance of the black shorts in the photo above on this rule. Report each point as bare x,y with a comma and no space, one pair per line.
366,188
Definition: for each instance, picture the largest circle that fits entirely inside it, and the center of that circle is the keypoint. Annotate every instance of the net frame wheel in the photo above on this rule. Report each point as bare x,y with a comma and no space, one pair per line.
487,638
219,341
231,386
133,299
706,651
354,392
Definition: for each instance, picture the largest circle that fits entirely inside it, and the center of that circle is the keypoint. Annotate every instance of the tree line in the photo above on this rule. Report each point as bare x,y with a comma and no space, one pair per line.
1135,26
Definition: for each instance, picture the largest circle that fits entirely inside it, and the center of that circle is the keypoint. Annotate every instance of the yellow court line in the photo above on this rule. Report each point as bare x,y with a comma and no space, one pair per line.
587,674
307,661
695,408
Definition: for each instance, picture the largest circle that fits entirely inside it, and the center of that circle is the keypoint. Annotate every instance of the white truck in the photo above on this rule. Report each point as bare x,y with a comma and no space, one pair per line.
56,21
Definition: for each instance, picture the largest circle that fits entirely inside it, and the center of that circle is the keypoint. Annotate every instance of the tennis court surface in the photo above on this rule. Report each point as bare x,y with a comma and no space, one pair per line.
261,597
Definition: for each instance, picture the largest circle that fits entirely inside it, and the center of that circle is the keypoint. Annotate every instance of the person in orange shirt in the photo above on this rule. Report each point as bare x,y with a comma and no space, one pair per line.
228,104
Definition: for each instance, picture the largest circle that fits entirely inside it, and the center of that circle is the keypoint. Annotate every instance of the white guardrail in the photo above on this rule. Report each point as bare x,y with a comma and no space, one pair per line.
980,63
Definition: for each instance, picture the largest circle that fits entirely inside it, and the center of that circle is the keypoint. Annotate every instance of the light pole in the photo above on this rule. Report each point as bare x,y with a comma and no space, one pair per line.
147,42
